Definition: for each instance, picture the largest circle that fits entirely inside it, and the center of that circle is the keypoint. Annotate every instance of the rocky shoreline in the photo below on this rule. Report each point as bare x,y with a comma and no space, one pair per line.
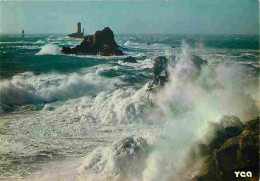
229,147
101,43
235,148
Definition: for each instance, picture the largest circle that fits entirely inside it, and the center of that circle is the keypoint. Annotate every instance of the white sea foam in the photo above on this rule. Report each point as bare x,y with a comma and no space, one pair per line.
145,46
27,47
27,88
185,105
14,42
124,160
40,42
142,64
49,49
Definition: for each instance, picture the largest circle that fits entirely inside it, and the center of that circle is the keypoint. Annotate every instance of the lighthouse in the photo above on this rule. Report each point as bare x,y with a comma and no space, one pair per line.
79,27
78,34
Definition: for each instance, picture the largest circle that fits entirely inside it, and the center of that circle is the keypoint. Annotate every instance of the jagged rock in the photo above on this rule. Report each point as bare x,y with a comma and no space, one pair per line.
101,43
198,61
130,59
228,127
76,35
231,121
160,73
239,153
252,127
188,67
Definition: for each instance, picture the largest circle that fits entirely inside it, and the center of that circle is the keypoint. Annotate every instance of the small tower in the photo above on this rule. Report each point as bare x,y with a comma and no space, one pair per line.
79,27
78,34
22,33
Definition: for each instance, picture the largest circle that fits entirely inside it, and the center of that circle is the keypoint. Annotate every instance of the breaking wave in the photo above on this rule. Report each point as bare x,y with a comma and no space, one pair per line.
191,99
30,89
124,160
40,42
49,49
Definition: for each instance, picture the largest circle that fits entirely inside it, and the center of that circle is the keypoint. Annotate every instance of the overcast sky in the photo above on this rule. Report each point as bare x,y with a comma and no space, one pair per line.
157,16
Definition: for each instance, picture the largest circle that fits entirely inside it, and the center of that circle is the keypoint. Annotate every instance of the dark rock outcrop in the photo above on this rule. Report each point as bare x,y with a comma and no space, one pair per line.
101,43
238,153
130,59
228,127
76,35
160,73
198,61
192,67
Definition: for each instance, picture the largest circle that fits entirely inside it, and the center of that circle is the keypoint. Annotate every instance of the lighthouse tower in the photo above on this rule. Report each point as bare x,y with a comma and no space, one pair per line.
79,27
78,34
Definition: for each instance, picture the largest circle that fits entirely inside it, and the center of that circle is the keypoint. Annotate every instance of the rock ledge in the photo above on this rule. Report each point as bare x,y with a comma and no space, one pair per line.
101,43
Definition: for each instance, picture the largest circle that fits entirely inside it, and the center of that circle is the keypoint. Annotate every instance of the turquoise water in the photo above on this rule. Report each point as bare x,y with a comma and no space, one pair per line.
18,53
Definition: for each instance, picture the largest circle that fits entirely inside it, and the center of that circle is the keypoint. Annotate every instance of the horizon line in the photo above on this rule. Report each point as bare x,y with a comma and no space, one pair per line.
138,34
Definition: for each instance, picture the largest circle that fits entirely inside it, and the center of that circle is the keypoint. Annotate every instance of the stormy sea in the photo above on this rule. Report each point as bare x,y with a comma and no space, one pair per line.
79,117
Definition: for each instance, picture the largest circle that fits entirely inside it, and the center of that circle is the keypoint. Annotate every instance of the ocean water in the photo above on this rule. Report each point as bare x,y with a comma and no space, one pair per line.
62,115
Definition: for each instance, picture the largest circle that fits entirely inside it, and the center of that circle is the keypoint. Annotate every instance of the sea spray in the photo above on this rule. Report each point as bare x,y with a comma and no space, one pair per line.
49,49
30,89
186,104
124,160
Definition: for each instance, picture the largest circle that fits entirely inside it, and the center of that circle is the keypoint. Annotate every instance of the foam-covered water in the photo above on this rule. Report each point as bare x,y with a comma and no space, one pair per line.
96,111
49,49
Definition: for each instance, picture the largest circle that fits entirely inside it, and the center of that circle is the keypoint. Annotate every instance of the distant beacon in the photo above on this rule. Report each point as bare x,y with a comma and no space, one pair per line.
22,33
78,34
79,27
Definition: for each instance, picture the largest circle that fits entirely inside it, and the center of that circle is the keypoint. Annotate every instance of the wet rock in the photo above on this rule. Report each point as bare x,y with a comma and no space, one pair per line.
198,61
206,177
239,153
130,59
101,43
228,127
188,67
252,127
231,121
160,73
